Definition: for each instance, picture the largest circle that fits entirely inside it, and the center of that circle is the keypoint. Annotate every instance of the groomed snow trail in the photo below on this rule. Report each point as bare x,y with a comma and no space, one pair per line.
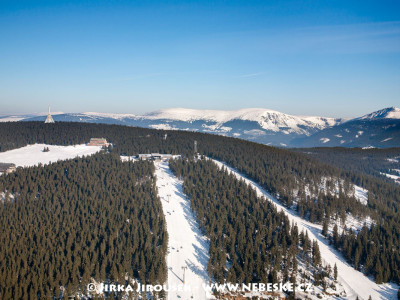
33,154
187,245
354,282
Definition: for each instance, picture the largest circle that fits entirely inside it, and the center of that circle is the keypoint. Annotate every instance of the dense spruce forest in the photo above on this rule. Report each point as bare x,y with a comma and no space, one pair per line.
68,222
368,161
318,190
246,232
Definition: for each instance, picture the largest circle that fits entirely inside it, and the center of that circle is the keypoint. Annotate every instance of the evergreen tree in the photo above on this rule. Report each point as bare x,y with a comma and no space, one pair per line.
316,254
325,226
335,272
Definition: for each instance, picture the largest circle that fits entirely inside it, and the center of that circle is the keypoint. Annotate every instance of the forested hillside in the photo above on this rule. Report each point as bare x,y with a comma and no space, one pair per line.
249,240
319,191
368,161
74,220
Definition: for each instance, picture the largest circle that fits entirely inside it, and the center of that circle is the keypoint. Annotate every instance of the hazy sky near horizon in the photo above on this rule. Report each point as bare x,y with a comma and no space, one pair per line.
329,58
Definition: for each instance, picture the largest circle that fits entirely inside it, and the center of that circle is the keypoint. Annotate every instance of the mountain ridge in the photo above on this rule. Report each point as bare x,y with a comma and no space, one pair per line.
379,129
386,113
256,124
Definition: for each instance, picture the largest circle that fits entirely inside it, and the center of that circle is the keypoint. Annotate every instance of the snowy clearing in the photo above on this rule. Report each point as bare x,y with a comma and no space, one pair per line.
187,246
393,160
162,127
3,197
354,282
361,194
358,192
353,223
32,155
125,158
324,140
394,177
385,140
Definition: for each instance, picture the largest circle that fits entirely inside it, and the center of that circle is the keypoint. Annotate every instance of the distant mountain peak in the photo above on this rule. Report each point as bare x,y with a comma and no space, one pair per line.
386,113
268,119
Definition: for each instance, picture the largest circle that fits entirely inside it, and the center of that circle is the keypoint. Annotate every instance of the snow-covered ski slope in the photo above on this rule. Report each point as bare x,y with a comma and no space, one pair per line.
187,245
33,154
354,282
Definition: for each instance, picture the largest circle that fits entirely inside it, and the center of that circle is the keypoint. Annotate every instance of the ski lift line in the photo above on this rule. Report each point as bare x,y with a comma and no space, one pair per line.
184,269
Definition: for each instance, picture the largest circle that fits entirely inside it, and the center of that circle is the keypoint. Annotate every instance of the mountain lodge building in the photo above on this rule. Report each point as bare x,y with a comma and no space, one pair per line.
98,142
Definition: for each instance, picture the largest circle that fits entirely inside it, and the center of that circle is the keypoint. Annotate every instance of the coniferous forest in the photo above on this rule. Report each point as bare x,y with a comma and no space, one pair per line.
368,161
71,221
246,232
294,178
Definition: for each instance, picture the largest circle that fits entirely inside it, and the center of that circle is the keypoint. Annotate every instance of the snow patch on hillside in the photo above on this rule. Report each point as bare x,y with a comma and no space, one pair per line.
255,132
216,127
361,194
32,155
108,115
127,158
327,187
393,160
162,127
324,140
6,196
355,224
394,177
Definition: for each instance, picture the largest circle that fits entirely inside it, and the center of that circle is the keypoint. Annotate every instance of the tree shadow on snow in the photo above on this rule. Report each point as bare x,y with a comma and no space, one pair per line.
176,275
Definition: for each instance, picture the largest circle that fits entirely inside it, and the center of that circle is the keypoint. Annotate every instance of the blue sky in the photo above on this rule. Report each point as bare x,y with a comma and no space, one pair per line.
329,58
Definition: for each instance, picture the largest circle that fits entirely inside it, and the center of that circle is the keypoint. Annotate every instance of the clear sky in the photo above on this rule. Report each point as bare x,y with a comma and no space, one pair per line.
322,57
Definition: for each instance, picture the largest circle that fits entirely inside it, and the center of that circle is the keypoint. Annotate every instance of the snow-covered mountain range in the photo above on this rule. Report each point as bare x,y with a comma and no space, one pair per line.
267,119
380,129
258,124
386,113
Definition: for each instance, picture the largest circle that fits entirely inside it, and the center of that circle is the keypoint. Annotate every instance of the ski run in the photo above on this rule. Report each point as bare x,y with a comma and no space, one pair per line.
187,246
354,282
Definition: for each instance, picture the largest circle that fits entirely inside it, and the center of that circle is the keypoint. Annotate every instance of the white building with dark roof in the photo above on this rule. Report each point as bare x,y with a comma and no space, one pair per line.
7,168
